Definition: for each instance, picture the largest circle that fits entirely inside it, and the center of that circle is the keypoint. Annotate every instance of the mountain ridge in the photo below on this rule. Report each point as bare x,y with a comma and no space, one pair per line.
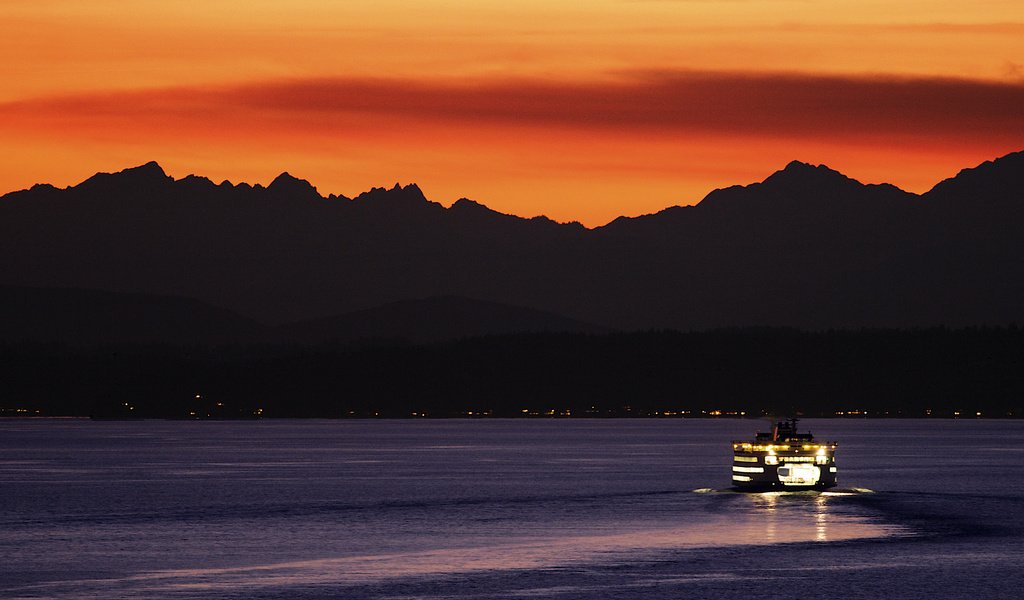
806,247
797,171
151,173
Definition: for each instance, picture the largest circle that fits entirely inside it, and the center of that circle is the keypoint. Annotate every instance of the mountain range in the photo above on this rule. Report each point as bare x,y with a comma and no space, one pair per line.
807,247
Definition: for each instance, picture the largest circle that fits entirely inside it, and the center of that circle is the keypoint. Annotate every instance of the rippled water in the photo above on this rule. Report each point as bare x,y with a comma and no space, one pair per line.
500,509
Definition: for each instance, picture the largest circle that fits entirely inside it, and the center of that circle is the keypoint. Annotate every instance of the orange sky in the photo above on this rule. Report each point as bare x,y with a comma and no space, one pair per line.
577,110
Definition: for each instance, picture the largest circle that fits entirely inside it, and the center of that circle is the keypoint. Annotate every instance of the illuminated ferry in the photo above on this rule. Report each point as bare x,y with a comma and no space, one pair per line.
783,459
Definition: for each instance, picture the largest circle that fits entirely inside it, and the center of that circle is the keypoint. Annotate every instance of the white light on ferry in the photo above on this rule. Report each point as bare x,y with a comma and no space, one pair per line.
771,459
832,469
740,478
748,469
821,452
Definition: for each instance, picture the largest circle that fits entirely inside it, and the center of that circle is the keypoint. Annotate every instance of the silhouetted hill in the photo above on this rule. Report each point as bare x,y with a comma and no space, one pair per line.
89,317
433,320
807,247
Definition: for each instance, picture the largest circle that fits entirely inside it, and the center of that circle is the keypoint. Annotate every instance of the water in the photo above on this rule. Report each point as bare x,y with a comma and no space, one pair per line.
500,509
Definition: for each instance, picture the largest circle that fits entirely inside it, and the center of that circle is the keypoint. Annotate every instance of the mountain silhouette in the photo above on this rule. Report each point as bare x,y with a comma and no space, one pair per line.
432,320
807,247
90,317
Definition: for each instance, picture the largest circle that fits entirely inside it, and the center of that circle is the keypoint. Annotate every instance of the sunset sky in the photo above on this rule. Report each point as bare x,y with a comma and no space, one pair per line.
577,110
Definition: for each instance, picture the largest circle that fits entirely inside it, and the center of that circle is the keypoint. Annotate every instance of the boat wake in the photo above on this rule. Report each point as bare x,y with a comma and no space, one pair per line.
829,492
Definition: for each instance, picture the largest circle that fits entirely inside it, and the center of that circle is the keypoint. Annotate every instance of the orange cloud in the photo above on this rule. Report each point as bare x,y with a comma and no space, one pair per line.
788,105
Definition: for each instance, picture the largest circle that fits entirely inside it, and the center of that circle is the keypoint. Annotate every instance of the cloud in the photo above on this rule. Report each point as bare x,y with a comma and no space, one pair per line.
640,103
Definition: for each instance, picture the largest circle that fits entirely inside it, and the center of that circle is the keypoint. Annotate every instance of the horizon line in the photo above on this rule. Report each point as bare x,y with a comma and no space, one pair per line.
452,203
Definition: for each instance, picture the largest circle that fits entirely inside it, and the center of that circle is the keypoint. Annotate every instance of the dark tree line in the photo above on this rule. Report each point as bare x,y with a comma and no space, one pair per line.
751,371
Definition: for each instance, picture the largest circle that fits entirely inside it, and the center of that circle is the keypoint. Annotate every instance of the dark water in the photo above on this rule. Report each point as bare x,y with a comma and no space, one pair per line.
501,509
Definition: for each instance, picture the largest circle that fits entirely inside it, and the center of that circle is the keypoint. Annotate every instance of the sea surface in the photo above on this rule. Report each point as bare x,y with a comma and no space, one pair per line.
501,509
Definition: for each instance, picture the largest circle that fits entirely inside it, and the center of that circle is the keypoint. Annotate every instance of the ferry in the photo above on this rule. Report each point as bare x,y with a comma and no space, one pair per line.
782,460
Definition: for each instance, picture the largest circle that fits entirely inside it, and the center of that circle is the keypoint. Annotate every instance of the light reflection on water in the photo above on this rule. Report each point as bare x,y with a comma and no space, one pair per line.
747,520
821,519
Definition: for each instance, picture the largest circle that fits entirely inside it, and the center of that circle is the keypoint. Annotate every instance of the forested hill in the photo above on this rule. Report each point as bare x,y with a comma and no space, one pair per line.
909,373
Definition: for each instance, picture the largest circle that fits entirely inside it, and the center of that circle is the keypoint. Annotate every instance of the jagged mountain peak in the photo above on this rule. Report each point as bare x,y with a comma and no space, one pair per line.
150,169
800,187
467,205
412,188
196,181
403,194
801,174
286,183
148,174
797,165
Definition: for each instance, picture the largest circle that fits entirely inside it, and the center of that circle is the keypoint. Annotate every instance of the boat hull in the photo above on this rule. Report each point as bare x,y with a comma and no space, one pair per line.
780,487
